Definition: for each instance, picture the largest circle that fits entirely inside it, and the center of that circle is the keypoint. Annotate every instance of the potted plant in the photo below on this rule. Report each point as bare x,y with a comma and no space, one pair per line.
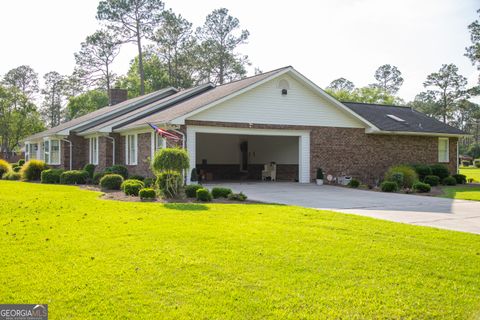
319,177
194,175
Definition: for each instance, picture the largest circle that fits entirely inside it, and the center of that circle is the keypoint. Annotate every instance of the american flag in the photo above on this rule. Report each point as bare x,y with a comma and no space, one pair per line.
164,133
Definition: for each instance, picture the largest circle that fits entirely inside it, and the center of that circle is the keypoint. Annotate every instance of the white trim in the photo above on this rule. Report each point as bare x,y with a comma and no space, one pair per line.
49,140
303,144
153,147
145,129
127,150
408,133
93,157
447,160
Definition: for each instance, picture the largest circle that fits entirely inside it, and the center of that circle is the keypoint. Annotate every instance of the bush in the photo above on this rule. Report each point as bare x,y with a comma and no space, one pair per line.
74,177
170,159
16,168
137,177
21,162
389,186
51,175
460,178
409,175
194,175
477,163
117,169
398,178
149,182
147,193
97,176
204,195
90,168
11,175
440,171
170,184
421,187
132,187
4,167
432,180
422,171
319,174
237,197
32,170
191,190
111,181
449,181
221,192
354,183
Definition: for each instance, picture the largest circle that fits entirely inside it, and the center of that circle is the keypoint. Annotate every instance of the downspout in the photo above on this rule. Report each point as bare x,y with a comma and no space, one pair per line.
113,148
457,157
70,143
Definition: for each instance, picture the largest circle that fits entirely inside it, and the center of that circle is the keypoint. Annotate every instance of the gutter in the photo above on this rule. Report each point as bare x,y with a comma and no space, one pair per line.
409,133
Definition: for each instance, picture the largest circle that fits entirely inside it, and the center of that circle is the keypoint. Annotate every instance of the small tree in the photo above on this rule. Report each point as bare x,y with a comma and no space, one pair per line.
170,161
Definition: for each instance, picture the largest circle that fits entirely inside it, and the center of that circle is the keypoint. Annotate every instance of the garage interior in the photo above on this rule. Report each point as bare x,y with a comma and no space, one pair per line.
231,157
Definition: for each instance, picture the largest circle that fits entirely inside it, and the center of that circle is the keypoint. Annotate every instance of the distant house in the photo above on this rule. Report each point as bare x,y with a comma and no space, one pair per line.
232,130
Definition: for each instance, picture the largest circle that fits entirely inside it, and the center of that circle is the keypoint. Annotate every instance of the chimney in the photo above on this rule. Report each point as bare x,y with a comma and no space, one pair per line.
118,95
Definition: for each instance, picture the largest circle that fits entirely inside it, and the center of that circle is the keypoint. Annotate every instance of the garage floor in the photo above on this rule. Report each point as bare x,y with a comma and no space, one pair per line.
459,215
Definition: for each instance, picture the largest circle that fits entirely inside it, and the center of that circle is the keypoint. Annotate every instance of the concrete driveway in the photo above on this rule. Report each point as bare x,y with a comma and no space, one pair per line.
459,215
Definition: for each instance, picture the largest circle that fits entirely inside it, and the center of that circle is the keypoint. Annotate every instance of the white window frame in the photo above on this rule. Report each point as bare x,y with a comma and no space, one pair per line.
27,151
30,152
48,152
445,157
155,141
128,160
93,150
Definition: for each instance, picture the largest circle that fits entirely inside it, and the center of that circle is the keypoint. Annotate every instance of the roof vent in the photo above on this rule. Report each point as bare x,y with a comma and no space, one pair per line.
391,116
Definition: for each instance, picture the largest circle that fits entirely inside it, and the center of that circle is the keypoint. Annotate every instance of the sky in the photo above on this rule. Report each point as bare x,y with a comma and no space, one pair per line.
323,39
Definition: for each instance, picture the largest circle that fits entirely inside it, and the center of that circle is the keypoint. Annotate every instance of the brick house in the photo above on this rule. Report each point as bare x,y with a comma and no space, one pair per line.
232,130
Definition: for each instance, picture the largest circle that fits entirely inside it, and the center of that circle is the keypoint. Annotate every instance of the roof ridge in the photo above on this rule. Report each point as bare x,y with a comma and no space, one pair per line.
255,75
377,104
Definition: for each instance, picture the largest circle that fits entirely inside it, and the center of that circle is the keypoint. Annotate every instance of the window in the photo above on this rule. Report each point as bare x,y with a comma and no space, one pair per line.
443,150
93,150
131,149
51,151
46,151
32,151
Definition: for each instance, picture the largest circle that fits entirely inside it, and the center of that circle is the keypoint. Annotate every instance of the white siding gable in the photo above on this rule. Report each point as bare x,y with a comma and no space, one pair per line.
265,104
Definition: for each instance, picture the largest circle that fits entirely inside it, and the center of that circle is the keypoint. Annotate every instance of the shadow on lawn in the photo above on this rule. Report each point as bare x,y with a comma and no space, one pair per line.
186,206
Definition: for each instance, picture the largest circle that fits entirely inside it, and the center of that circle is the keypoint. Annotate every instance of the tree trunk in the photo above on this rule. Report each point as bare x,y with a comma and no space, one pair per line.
108,85
140,62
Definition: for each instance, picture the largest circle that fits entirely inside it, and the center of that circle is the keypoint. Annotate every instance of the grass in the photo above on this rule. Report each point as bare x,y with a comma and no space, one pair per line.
465,192
96,259
471,173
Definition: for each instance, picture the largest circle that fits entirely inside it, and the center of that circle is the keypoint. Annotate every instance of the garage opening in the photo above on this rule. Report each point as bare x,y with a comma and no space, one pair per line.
243,157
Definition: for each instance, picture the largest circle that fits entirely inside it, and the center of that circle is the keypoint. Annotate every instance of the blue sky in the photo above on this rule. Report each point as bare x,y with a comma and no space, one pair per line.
322,39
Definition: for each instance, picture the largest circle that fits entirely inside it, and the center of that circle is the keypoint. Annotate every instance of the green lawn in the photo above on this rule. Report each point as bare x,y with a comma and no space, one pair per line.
471,172
465,192
96,259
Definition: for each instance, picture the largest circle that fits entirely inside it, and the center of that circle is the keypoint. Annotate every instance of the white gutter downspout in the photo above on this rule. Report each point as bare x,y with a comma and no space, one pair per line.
113,148
70,143
457,157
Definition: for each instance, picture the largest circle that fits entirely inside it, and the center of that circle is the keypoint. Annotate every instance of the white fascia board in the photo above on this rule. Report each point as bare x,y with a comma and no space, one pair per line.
248,131
408,133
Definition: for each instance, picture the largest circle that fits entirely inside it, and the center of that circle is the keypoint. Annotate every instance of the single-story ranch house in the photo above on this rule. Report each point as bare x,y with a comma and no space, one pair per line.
232,130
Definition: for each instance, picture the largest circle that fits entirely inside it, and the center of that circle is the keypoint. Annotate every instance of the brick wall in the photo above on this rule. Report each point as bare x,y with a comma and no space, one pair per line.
144,155
79,152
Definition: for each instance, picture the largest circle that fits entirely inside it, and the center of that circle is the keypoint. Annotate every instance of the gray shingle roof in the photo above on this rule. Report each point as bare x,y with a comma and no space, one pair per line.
414,121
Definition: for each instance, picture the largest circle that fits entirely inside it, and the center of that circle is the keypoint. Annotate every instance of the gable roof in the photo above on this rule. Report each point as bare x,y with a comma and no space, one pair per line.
389,118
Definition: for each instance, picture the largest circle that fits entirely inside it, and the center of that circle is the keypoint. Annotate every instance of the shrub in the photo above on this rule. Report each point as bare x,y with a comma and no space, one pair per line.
51,175
16,168
90,168
117,169
147,193
170,183
21,162
204,195
409,175
237,197
319,174
132,187
194,175
354,183
460,178
170,159
11,175
137,177
74,177
389,186
4,167
97,176
449,181
32,170
221,192
432,180
440,171
398,178
421,187
149,182
477,163
111,181
191,190
422,171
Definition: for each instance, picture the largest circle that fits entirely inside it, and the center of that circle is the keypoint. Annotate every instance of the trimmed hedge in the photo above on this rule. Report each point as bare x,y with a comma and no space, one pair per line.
191,190
409,175
16,168
461,178
90,168
117,169
51,175
21,162
237,197
111,181
11,175
421,187
137,177
74,177
432,180
449,181
4,167
32,170
132,187
204,195
354,183
397,177
149,182
221,192
389,186
97,176
422,171
440,171
147,194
